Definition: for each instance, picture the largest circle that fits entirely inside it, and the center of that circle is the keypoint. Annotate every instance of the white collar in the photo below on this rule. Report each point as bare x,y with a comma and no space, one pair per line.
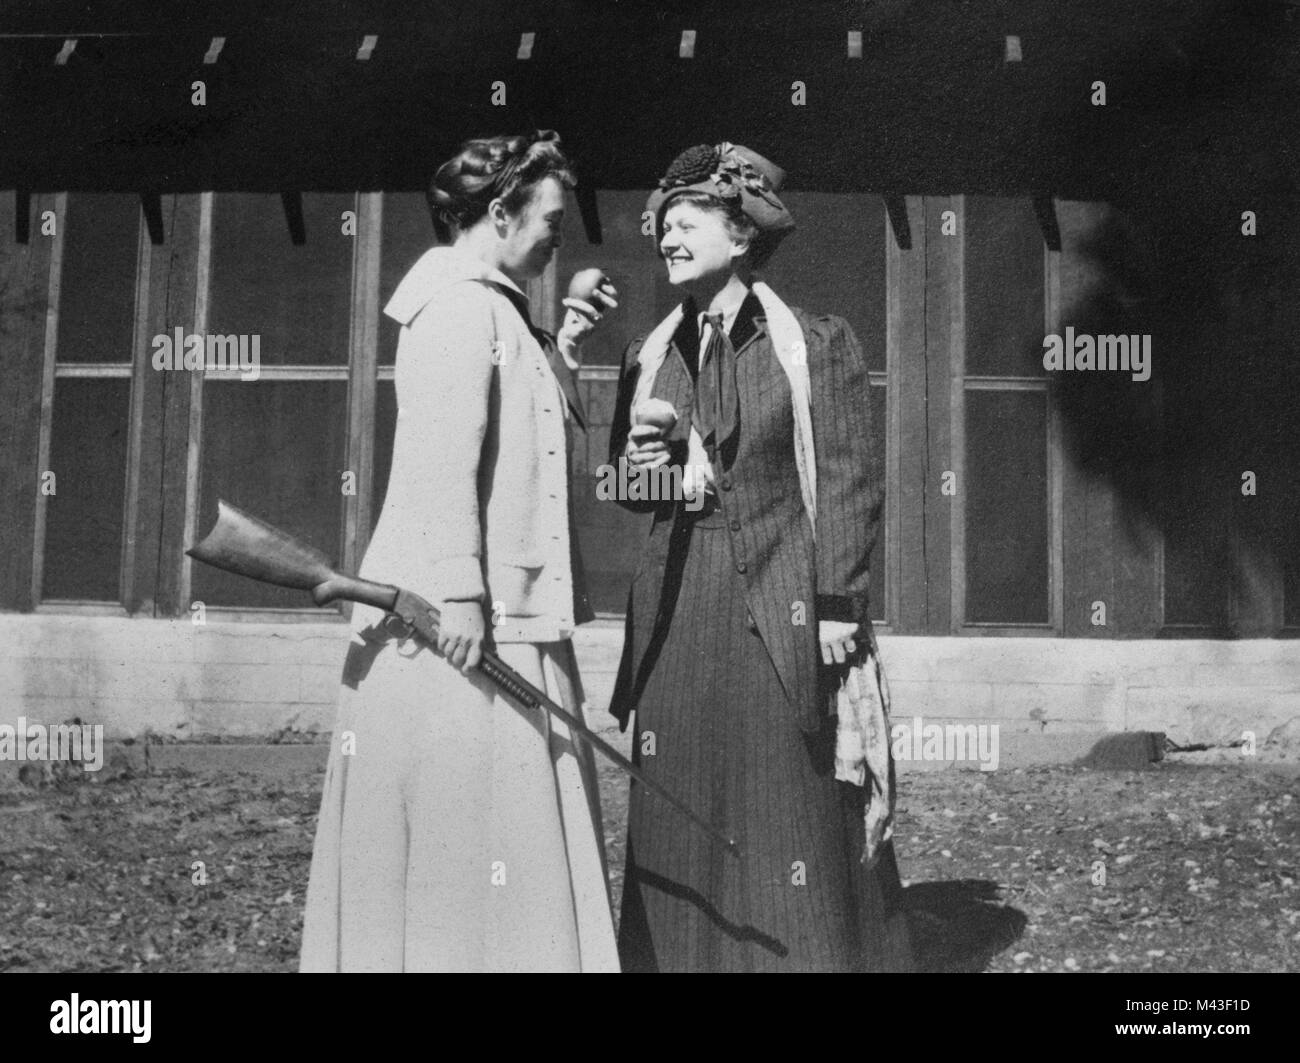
437,269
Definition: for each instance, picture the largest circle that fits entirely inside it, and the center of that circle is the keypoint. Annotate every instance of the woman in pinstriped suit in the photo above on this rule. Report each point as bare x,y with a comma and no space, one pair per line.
737,624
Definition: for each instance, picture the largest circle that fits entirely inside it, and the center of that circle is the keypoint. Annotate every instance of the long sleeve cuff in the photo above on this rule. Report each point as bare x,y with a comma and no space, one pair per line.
842,607
459,579
569,351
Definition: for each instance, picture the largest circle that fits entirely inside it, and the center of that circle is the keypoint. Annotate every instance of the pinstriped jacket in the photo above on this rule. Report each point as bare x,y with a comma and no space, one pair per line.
772,544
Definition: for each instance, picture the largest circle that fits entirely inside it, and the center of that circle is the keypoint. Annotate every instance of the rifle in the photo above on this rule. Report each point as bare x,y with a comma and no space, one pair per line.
246,546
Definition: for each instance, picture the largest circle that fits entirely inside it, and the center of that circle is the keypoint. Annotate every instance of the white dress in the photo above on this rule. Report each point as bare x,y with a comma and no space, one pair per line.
454,834
457,830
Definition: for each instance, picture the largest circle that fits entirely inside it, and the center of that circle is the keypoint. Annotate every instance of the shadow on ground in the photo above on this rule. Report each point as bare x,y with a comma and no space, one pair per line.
960,925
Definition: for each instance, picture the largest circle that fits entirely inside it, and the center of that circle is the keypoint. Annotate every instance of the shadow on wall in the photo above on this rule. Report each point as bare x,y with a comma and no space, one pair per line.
1200,251
1206,450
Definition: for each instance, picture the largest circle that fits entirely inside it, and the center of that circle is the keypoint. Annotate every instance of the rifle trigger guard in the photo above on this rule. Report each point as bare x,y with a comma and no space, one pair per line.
400,629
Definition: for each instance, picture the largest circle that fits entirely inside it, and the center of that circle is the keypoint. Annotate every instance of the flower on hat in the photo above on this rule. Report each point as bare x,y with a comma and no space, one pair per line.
736,172
729,171
691,166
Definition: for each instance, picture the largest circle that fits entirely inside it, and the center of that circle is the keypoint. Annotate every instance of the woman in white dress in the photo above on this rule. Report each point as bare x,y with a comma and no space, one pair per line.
457,830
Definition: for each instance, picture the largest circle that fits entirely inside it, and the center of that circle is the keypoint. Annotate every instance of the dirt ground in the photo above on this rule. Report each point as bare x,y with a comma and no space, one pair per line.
1183,867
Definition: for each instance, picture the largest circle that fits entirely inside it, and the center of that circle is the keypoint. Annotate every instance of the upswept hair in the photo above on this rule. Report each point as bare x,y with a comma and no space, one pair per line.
488,168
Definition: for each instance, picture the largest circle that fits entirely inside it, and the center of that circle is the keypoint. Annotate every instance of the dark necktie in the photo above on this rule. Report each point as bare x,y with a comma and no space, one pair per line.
716,411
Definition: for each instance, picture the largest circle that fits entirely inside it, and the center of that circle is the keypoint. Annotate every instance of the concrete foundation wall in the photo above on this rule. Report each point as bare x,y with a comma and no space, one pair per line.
237,679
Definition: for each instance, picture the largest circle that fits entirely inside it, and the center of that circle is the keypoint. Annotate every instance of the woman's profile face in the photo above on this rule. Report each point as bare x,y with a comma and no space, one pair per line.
697,243
532,235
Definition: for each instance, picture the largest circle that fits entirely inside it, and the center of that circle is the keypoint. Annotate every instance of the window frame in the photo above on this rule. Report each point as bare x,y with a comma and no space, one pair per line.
132,576
361,372
960,384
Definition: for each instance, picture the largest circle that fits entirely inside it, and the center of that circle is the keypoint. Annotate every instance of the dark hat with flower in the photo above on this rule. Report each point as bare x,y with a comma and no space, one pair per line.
733,174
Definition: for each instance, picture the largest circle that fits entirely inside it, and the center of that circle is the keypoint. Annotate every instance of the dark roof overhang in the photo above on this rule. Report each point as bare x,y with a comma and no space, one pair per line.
933,104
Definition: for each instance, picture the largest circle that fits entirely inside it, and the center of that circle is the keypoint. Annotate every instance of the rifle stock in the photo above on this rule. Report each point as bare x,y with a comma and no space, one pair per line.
246,546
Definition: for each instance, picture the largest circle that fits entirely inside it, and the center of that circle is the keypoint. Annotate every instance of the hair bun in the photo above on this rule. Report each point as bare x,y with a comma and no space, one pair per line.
490,167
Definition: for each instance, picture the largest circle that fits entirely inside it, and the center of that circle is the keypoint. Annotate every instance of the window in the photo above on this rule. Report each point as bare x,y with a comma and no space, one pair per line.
1003,505
86,425
277,445
122,440
951,328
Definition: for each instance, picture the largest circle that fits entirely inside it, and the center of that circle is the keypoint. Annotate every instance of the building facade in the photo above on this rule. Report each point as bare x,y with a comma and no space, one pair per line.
1066,550
1029,573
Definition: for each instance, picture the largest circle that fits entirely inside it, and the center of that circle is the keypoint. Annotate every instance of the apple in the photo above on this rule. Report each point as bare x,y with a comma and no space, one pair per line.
657,412
584,284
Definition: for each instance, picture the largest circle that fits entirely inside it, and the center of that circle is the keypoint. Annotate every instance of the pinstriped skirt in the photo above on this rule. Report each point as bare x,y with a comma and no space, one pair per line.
714,727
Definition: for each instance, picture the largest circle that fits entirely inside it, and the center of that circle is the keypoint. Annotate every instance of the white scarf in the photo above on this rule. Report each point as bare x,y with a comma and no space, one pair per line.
862,740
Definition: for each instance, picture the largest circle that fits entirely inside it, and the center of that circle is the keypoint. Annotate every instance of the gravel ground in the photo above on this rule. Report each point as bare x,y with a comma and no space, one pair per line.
1184,867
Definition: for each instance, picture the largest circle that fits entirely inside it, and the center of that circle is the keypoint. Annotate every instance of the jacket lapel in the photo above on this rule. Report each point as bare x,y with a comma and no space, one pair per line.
675,382
759,325
687,353
750,324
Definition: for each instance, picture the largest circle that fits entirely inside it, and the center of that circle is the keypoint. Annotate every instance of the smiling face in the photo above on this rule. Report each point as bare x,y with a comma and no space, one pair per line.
532,235
698,245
